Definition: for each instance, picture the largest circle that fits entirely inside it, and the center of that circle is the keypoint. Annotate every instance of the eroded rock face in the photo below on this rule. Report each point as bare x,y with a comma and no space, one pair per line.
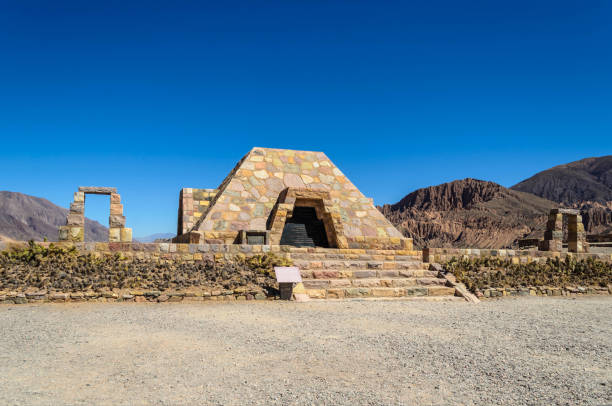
469,213
597,217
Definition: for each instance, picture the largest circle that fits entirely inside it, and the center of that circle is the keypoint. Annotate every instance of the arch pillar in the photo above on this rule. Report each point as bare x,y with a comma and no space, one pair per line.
553,236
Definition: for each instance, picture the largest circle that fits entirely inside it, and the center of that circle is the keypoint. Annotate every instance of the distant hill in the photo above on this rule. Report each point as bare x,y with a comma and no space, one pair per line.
24,217
156,237
589,179
468,213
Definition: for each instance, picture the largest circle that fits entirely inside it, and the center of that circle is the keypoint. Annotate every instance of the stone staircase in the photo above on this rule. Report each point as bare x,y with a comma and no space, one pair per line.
357,273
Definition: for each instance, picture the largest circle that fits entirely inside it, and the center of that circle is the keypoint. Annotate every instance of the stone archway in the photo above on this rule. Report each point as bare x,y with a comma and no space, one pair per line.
320,201
74,230
553,237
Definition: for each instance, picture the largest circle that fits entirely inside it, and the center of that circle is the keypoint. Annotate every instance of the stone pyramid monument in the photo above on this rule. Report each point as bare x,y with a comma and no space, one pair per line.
285,197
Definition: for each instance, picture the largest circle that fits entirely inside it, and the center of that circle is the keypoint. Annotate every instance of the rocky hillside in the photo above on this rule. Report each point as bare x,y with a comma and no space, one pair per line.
24,217
469,213
587,180
597,217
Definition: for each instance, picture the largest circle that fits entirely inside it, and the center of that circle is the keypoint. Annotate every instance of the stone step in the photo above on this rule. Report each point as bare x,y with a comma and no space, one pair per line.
348,257
357,264
400,298
349,251
372,282
366,273
383,292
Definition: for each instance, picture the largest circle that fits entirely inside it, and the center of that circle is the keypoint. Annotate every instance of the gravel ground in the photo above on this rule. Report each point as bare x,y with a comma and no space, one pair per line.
512,352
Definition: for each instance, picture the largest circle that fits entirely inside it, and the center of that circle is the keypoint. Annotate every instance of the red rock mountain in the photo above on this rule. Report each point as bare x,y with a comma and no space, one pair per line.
468,213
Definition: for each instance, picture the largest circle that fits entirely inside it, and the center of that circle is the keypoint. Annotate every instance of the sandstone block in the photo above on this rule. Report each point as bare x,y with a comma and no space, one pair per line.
403,282
115,198
126,234
440,291
386,292
368,283
325,274
64,233
316,293
357,292
431,281
77,207
98,190
336,283
364,274
415,291
114,234
116,220
77,234
58,297
388,274
116,209
335,293
75,219
315,284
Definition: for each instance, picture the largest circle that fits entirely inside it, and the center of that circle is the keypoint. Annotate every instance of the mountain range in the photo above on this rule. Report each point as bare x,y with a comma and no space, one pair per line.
468,213
477,213
24,217
589,179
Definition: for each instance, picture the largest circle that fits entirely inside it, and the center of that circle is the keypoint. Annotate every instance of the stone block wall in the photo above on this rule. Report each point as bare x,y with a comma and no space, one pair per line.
546,291
441,255
193,203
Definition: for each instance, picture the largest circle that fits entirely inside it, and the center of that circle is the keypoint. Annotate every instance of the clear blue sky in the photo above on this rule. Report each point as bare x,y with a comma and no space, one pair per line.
154,96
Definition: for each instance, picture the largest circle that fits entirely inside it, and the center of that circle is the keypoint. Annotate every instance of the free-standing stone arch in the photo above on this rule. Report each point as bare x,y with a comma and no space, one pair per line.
74,230
553,237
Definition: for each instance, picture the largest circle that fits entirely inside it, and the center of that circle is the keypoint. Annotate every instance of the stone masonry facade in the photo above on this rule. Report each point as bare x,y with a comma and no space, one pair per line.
192,204
260,193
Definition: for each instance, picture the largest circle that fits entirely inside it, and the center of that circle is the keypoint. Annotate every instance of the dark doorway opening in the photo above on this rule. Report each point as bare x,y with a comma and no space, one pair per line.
304,229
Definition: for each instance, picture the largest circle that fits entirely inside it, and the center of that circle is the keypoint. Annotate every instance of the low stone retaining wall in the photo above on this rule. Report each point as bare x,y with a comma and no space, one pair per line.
546,291
441,255
159,272
107,272
132,296
196,252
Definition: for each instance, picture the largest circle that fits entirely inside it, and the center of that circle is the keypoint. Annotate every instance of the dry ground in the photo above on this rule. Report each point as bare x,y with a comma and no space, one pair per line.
510,352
